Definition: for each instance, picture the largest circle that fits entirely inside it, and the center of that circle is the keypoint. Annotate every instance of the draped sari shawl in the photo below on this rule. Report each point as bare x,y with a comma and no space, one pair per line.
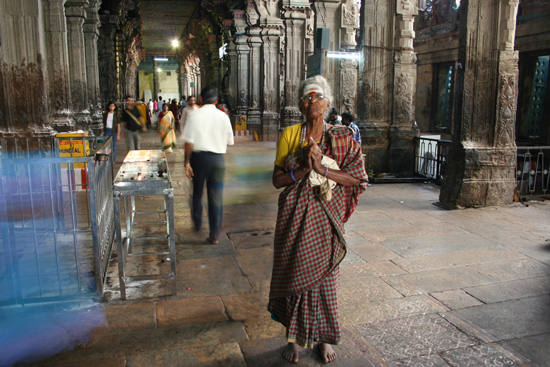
166,130
309,236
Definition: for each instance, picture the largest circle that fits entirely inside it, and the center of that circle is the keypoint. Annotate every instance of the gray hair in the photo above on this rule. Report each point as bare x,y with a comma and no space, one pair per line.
320,81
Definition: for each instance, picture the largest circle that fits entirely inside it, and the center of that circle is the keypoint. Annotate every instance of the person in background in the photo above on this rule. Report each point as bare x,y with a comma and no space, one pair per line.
133,123
181,106
333,117
111,122
347,120
174,110
190,107
207,133
150,107
166,126
160,103
222,106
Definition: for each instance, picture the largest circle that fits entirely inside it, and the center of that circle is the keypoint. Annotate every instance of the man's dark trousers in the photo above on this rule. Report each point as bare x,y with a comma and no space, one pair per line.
209,167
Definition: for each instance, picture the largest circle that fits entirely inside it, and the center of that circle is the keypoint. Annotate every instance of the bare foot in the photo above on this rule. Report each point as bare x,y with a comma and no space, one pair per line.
292,352
214,242
326,352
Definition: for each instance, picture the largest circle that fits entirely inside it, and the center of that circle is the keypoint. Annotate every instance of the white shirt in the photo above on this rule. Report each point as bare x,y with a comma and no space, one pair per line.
150,105
208,129
110,120
184,113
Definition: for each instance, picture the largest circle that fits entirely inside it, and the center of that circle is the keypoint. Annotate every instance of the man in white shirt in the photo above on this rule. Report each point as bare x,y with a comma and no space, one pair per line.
187,110
207,133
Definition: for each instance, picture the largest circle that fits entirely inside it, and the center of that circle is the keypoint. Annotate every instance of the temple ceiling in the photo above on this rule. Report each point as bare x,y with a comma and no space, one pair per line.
164,21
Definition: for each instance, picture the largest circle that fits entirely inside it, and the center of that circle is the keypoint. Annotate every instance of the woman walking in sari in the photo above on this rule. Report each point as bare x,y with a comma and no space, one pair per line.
166,126
322,170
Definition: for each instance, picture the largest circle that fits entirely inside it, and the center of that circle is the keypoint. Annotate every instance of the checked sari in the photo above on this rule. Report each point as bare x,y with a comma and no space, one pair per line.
309,246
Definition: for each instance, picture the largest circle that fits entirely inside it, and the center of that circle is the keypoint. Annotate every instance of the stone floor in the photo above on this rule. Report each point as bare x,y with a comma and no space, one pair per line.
420,286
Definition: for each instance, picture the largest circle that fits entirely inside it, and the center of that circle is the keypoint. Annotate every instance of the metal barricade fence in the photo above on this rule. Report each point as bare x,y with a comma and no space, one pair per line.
532,176
56,219
431,157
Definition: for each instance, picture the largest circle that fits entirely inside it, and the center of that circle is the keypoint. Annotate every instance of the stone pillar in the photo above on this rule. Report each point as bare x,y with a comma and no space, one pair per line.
155,81
57,66
74,11
233,74
387,87
91,35
295,15
23,101
254,120
401,133
272,25
243,52
349,21
270,92
107,61
481,168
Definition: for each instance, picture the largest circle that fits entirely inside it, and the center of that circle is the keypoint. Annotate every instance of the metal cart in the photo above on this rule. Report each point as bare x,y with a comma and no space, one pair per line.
144,173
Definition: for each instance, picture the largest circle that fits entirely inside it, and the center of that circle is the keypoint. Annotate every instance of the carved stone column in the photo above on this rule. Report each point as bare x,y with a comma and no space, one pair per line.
272,25
401,152
349,21
295,16
74,11
57,66
23,101
107,61
481,168
243,52
387,86
254,121
91,35
233,74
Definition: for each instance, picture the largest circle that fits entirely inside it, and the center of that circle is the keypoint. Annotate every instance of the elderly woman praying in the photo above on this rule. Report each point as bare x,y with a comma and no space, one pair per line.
322,172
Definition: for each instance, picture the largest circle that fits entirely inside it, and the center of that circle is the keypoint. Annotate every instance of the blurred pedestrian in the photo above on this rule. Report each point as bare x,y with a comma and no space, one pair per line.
111,122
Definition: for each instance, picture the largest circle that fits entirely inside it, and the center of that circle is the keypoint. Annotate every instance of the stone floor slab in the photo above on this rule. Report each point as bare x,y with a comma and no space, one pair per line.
434,245
264,327
269,353
352,258
375,252
198,288
533,348
365,290
514,289
354,313
253,239
413,336
456,299
510,319
244,306
158,340
208,268
456,259
441,280
256,265
368,270
138,316
191,311
409,232
226,355
431,360
481,355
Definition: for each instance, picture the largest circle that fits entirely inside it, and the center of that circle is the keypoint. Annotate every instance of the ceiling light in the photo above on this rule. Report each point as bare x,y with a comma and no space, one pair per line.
159,70
175,43
161,59
344,55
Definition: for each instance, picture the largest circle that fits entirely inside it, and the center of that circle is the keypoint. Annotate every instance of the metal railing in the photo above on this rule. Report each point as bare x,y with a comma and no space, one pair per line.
532,177
56,219
431,157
